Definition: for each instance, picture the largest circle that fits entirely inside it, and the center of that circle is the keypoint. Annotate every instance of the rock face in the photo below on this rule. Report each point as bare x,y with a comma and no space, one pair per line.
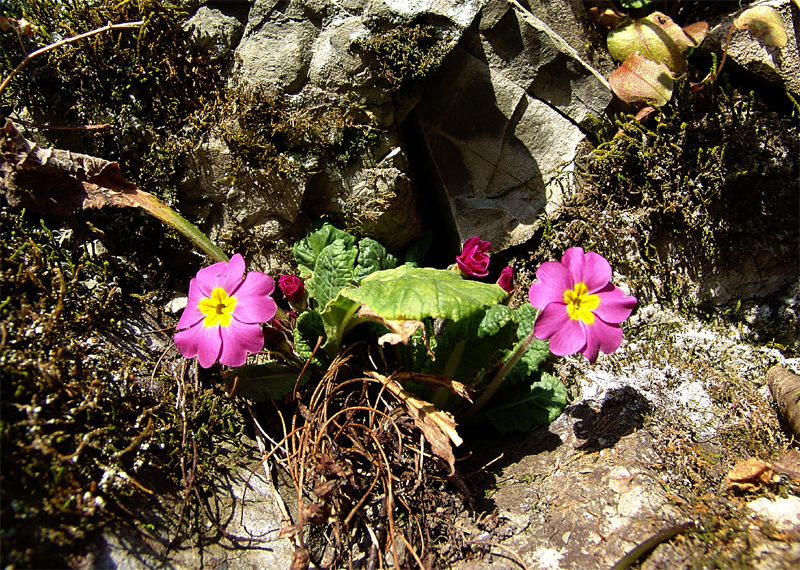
501,120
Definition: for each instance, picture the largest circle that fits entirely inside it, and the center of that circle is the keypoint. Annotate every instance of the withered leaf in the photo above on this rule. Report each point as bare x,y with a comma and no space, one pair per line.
437,381
438,427
750,474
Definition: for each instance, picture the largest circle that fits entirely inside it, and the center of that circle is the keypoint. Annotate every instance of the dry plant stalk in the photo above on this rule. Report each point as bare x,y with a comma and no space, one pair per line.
355,454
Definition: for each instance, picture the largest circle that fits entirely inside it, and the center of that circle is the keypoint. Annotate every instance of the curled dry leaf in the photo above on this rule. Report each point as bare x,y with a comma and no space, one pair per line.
789,465
55,181
765,23
750,474
641,80
785,388
437,381
438,427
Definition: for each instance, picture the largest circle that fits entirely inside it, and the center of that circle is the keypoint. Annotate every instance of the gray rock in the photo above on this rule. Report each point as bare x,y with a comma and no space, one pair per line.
214,31
502,121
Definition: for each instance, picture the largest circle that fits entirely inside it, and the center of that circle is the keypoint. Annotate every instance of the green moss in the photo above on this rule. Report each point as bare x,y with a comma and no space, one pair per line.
89,422
704,183
147,84
406,54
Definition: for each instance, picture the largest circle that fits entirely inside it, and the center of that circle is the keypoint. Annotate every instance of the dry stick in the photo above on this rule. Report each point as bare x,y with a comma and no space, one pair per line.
511,552
650,544
45,49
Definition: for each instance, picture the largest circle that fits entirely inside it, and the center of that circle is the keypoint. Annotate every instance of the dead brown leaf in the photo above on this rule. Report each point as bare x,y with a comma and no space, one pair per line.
438,427
750,474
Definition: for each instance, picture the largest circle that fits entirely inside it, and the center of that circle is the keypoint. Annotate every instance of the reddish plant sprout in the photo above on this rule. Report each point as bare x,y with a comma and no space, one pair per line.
506,281
222,320
581,309
474,261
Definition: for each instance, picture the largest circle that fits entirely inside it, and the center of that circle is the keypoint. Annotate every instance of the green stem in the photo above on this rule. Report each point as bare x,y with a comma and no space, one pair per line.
498,378
173,219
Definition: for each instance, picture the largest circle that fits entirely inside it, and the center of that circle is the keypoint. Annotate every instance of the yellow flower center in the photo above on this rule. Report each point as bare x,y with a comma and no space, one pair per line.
580,304
218,308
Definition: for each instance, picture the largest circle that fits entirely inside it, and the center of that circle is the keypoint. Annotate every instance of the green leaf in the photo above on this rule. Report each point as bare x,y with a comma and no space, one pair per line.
420,292
416,252
333,271
468,348
372,257
655,37
262,382
338,317
307,250
765,23
307,329
524,406
635,4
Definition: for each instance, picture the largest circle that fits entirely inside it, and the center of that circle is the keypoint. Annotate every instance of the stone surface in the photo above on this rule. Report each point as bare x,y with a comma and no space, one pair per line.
775,65
502,121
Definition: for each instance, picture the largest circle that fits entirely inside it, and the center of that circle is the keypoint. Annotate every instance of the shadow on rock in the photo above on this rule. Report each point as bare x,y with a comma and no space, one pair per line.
622,412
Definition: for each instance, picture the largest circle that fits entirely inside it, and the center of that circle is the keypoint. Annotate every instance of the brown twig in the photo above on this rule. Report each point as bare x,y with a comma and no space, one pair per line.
45,49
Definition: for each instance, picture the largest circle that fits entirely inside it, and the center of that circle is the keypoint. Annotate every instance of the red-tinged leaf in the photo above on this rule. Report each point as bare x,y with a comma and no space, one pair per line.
655,37
696,32
640,80
765,23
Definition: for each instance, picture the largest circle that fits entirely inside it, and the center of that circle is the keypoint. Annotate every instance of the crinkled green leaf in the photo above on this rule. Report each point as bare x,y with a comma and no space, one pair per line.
262,382
338,317
333,271
635,4
640,80
420,292
656,37
468,348
497,317
416,252
526,315
307,330
526,405
307,250
765,23
372,257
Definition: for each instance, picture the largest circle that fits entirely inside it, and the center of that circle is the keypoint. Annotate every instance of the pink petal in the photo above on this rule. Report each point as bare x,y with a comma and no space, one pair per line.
566,335
191,314
553,278
601,336
253,301
228,276
200,341
237,340
590,268
614,305
596,271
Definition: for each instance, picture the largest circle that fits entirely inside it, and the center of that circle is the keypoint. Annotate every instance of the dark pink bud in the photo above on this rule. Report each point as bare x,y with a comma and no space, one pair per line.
292,287
506,281
473,261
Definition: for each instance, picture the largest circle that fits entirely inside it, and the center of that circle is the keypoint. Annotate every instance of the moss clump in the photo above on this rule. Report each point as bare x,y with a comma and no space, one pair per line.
94,426
406,54
281,135
704,186
147,84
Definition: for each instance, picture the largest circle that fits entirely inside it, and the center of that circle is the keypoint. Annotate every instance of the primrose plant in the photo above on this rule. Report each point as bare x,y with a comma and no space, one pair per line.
451,338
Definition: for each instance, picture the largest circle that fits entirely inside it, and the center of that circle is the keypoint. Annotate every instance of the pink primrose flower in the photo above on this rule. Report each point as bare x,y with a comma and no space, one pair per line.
506,281
222,320
581,309
473,261
292,287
